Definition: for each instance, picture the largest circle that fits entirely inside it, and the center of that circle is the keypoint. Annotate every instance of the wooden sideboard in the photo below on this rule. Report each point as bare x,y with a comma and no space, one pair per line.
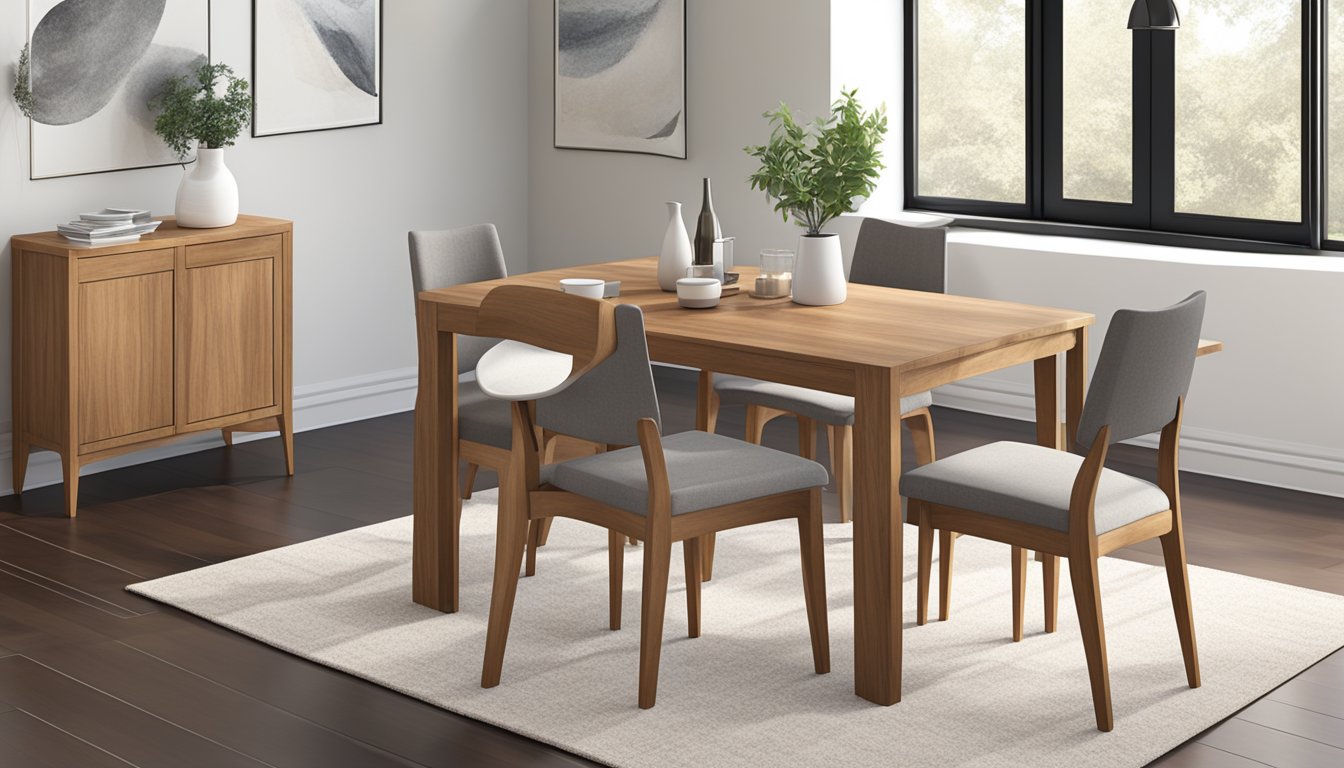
118,348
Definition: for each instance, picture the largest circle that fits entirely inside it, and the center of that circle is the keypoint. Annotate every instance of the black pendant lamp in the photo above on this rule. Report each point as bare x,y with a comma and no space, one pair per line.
1154,14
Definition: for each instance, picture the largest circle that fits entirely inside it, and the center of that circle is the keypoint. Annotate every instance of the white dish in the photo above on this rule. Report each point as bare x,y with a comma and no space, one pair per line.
587,287
698,292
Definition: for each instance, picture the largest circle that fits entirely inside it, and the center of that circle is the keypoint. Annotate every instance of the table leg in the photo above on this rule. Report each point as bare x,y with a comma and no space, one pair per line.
1047,402
1075,383
878,553
435,549
706,419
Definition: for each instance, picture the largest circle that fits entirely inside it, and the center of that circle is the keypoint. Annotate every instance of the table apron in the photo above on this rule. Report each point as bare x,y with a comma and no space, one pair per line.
834,377
926,378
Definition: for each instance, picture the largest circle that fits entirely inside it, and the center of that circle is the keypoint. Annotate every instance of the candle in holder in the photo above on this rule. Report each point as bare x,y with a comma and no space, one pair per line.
776,280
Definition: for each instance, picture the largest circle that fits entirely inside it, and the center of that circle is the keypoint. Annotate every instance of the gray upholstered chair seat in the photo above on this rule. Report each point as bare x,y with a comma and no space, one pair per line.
481,418
826,407
703,469
1030,484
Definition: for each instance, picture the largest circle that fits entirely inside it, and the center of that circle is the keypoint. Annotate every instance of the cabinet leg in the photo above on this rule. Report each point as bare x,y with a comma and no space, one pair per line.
287,439
70,473
228,436
20,451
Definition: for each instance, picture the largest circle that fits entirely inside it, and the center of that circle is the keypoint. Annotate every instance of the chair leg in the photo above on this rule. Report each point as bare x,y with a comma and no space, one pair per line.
813,549
925,560
533,541
707,543
841,440
469,479
1087,596
545,530
1173,552
1050,567
510,540
691,551
1019,590
616,573
657,560
946,540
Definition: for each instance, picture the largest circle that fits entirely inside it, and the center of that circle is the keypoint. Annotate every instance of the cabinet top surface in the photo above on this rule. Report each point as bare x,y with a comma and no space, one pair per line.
168,235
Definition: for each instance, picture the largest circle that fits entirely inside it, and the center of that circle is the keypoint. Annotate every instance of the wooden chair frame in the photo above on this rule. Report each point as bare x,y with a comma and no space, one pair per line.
529,501
1082,546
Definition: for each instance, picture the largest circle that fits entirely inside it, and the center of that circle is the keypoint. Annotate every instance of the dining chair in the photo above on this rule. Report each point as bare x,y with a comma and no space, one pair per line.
888,255
1068,505
586,365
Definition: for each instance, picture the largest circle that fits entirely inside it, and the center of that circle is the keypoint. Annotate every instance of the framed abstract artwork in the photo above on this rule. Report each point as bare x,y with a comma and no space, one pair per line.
316,65
94,67
620,76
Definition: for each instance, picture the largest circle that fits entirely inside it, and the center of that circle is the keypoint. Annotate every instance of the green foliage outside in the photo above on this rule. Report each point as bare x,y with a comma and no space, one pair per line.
191,109
814,172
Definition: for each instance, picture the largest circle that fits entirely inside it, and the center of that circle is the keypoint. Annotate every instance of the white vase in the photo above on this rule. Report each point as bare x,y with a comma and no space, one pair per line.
676,256
819,272
208,195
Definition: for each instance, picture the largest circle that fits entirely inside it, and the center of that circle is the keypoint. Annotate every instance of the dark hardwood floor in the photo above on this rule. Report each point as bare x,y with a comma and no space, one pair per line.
91,675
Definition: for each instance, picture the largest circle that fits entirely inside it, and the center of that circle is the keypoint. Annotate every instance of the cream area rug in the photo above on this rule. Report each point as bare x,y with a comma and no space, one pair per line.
744,693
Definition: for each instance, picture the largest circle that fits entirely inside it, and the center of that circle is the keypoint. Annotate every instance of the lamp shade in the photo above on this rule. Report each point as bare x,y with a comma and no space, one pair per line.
1154,14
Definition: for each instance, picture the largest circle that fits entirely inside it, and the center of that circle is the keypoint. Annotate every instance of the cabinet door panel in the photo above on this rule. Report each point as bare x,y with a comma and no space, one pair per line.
125,356
229,322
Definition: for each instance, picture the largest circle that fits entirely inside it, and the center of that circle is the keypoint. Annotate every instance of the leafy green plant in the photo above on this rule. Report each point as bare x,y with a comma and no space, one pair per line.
191,109
814,172
23,89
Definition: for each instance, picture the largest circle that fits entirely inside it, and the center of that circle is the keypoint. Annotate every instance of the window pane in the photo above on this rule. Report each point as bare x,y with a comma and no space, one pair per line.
1334,172
1239,109
972,100
1098,100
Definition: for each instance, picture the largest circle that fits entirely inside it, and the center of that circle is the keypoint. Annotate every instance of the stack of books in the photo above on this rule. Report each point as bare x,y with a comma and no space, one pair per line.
110,226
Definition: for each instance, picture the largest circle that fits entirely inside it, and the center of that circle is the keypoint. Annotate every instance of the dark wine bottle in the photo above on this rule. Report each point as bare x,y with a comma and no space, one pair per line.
706,230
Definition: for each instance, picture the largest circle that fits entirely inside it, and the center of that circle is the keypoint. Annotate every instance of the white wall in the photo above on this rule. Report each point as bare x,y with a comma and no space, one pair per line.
743,58
452,150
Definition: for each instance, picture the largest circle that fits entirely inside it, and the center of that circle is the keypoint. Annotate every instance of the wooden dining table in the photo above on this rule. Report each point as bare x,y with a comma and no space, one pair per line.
879,345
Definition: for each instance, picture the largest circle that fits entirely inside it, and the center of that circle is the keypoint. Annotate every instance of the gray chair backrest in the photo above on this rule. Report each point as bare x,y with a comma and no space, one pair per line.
1144,369
444,258
606,404
897,256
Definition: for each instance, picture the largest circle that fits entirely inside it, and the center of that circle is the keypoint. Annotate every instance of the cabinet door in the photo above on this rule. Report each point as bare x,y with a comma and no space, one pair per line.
125,347
229,317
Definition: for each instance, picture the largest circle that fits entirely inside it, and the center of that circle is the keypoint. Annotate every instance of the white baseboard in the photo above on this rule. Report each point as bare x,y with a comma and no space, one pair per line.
1297,466
1311,468
315,406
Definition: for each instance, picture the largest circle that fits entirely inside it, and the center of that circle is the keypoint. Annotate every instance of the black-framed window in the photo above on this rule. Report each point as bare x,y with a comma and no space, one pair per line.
1051,110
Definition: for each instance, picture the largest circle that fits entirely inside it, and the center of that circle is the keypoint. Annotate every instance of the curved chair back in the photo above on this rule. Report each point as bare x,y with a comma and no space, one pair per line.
1144,370
897,256
444,258
605,406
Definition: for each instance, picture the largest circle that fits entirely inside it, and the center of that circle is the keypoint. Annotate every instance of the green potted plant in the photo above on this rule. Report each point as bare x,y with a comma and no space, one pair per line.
209,108
814,173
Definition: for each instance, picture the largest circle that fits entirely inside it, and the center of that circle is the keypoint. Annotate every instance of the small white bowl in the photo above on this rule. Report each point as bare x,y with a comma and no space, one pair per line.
698,292
588,287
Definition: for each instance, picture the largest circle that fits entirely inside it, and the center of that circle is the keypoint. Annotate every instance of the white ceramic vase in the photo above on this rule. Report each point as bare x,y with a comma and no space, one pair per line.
676,256
208,195
819,271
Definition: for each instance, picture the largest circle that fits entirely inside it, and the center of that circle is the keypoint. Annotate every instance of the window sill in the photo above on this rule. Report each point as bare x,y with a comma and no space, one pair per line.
964,232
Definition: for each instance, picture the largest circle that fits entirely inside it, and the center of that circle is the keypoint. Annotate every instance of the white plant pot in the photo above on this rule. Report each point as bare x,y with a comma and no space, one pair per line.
819,272
676,256
208,195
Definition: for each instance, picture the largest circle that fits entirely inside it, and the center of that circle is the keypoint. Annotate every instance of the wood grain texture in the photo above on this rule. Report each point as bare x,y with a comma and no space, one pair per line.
230,327
118,348
125,356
